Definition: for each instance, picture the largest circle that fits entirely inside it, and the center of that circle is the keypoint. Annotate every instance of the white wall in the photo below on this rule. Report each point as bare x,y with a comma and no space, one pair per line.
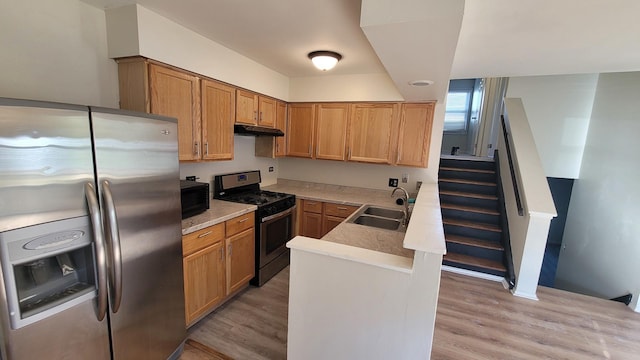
244,159
56,51
160,39
372,176
558,108
358,87
601,244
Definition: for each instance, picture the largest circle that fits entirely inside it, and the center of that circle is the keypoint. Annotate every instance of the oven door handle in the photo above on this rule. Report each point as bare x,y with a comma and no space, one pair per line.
280,214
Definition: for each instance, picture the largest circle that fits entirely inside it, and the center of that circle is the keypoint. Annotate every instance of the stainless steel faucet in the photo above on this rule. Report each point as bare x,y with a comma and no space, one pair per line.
405,197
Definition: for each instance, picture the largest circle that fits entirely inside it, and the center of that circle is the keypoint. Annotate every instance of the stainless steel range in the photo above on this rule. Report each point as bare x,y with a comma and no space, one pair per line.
275,219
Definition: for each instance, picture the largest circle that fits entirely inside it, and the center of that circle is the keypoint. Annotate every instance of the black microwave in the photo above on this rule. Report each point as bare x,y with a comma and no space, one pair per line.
194,197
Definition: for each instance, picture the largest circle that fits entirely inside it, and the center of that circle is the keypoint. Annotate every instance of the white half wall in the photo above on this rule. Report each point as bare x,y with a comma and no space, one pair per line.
56,51
601,244
528,231
161,39
558,108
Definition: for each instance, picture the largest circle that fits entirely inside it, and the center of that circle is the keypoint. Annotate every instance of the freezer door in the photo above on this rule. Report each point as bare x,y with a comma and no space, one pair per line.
138,175
45,160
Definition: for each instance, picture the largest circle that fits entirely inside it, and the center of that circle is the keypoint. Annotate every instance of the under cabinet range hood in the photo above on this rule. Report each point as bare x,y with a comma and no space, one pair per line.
252,130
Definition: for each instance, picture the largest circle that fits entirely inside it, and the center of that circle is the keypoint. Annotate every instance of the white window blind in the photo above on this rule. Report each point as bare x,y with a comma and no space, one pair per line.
457,111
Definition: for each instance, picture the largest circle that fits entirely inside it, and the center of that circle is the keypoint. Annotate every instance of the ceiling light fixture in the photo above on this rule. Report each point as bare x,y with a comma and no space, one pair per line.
420,82
324,60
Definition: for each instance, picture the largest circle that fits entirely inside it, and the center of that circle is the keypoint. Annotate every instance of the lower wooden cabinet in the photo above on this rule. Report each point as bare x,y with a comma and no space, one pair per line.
204,280
217,262
318,218
241,252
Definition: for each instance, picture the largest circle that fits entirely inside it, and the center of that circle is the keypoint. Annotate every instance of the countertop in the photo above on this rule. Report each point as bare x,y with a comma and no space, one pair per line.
219,211
366,237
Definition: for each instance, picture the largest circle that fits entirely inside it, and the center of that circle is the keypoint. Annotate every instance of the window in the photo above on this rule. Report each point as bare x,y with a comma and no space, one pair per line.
456,118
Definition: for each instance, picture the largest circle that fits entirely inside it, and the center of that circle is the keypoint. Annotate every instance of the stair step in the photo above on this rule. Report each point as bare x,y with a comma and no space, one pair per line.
491,245
468,194
469,182
474,209
479,171
472,224
474,261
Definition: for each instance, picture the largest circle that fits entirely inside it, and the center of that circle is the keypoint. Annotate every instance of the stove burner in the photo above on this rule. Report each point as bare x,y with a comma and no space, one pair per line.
256,197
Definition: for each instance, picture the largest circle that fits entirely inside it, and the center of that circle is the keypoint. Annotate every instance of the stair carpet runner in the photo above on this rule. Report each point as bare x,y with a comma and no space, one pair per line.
469,205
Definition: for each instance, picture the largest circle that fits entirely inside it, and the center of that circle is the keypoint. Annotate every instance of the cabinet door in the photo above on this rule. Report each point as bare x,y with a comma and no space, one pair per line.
331,131
241,252
329,222
372,132
177,94
246,107
204,280
300,130
218,116
415,134
281,123
266,112
311,225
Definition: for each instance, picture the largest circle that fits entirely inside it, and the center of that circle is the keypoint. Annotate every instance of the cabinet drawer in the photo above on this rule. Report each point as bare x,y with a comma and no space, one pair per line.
312,206
202,238
240,223
339,210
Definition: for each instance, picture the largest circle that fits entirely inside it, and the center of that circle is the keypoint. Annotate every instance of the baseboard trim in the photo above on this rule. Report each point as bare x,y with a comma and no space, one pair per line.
473,273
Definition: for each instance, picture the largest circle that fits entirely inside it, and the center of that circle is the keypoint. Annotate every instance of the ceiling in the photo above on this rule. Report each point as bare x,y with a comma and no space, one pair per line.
496,37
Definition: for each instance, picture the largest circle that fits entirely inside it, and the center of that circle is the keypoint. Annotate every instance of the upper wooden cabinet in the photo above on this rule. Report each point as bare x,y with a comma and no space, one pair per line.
281,123
253,109
218,114
300,130
276,146
205,109
177,94
414,137
373,132
331,127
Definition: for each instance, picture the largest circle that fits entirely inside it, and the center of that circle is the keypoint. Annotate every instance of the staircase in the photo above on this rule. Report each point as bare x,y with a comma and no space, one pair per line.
471,216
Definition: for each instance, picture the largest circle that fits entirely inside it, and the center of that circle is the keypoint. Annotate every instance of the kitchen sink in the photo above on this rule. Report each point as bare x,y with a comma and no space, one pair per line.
379,217
386,213
379,222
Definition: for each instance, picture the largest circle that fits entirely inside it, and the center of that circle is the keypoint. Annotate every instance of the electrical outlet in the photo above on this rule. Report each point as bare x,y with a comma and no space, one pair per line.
405,178
270,168
418,185
393,182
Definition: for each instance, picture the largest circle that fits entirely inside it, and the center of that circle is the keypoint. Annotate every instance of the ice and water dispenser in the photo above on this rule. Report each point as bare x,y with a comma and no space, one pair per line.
47,268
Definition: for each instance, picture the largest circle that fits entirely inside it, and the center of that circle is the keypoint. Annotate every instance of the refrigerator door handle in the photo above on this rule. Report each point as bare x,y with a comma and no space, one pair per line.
113,234
100,249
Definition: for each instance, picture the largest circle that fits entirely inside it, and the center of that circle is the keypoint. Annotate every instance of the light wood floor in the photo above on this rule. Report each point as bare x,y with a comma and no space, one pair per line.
251,326
476,319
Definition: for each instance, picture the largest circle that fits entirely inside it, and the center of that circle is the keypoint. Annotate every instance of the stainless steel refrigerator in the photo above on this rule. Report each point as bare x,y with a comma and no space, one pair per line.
90,238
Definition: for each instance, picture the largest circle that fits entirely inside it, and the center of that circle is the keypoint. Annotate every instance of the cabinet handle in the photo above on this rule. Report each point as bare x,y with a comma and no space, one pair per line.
255,116
196,149
230,249
243,220
349,154
277,146
206,148
398,156
260,115
311,203
205,234
342,208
